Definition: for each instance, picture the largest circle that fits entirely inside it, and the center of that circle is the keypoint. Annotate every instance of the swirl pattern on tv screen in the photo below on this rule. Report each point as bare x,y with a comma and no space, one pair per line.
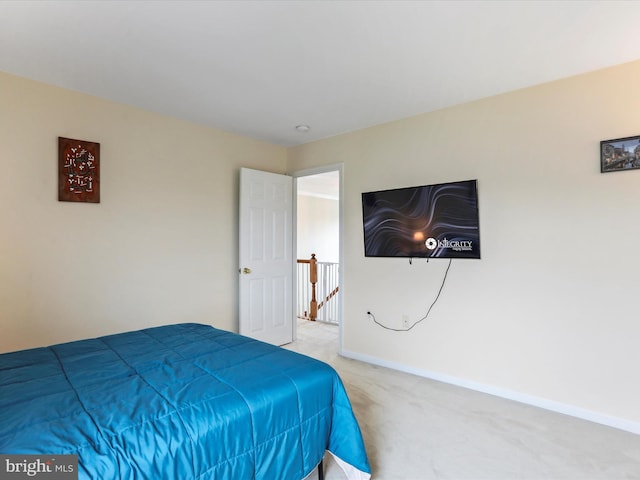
432,221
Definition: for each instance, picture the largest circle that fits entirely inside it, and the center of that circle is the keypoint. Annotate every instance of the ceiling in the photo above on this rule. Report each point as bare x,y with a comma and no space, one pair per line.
259,68
324,185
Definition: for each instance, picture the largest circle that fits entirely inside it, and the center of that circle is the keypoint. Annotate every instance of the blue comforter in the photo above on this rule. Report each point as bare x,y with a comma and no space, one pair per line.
177,402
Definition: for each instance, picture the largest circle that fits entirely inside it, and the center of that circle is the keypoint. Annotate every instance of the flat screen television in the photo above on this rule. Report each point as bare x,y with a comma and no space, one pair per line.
429,221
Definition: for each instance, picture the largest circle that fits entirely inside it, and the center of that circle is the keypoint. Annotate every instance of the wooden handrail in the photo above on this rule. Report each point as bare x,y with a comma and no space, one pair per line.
329,297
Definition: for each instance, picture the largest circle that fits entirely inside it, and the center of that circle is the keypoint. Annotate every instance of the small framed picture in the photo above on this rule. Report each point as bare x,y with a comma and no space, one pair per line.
78,171
620,154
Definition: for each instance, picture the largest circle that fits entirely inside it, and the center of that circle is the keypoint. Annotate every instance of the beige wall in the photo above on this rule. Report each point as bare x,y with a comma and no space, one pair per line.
550,312
161,247
318,228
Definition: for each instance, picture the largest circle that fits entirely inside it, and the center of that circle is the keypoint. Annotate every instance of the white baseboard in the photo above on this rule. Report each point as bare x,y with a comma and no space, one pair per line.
615,422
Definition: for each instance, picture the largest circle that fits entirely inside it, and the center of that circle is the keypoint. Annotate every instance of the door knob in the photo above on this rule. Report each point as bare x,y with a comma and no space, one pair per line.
246,270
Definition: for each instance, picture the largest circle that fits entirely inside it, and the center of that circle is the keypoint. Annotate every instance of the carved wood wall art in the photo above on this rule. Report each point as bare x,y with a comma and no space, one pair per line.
78,171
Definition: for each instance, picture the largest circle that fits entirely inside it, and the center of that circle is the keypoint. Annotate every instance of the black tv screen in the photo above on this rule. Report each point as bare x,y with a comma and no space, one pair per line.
430,221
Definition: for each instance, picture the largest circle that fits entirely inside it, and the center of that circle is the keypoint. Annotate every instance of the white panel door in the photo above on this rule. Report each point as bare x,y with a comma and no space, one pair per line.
266,256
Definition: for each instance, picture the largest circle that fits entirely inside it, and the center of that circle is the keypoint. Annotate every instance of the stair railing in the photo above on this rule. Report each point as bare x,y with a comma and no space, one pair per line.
318,280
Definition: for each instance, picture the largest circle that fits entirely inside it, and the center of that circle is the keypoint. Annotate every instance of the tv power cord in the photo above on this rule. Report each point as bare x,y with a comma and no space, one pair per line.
444,279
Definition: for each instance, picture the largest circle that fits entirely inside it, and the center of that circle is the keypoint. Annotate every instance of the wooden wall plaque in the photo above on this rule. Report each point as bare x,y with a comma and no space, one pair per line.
78,171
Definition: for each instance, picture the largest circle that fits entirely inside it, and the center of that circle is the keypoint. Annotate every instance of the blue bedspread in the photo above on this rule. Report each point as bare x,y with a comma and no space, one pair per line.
177,402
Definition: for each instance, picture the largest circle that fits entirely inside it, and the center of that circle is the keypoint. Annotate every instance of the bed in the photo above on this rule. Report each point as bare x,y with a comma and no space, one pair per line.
184,401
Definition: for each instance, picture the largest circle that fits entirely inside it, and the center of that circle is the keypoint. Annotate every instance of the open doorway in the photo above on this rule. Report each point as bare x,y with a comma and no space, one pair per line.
318,245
